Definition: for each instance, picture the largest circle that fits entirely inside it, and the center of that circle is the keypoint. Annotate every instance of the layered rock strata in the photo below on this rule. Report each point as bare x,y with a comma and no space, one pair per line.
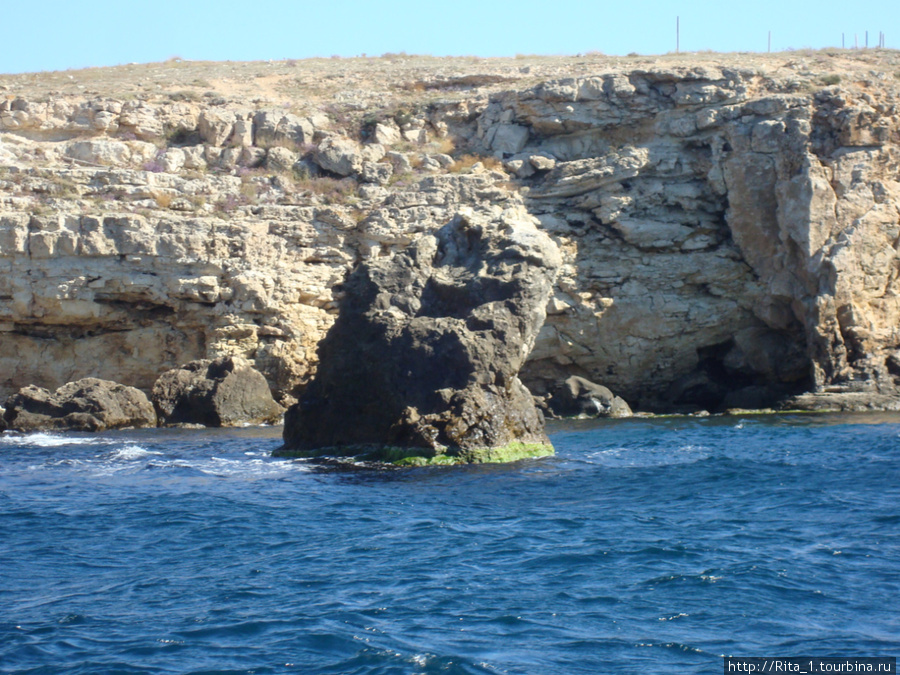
728,231
421,365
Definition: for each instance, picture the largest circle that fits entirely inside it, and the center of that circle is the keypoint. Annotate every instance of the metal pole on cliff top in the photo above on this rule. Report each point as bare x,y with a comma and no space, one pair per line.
770,41
677,34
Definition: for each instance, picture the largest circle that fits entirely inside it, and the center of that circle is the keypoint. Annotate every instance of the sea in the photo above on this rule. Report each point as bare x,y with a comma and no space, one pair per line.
644,546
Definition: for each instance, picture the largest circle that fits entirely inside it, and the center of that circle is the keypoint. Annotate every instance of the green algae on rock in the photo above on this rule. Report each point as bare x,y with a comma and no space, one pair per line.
419,457
424,357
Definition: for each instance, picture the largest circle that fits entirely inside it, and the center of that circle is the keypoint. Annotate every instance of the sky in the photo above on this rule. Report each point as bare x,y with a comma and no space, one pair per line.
63,34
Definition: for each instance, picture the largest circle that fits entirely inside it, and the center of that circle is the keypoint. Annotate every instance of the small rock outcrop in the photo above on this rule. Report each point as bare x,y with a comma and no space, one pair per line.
90,404
578,397
219,393
421,365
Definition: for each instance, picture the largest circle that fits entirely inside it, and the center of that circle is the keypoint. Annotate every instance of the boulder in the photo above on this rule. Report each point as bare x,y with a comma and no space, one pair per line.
216,126
578,397
417,136
272,129
172,160
242,133
387,133
281,160
99,152
421,365
376,172
90,404
508,138
339,155
220,393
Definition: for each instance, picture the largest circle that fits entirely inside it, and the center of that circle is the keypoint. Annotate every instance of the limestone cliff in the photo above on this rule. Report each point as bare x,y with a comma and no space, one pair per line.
729,225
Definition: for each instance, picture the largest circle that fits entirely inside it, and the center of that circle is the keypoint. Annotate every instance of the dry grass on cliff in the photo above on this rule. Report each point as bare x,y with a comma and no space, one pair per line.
399,78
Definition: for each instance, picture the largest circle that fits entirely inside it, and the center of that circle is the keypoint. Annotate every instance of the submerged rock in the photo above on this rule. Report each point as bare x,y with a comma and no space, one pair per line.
220,393
422,362
842,401
90,404
577,397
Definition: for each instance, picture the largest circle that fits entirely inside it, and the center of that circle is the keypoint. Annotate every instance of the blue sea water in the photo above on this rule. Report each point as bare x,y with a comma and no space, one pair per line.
644,546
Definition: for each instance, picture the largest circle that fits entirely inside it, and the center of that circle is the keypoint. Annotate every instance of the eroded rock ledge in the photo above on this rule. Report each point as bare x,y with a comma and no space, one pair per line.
728,231
421,365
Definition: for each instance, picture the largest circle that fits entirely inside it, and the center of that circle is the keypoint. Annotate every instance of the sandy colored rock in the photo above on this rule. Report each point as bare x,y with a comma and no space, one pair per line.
726,222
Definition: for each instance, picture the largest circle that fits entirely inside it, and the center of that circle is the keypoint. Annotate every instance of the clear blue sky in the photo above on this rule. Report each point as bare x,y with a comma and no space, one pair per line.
63,34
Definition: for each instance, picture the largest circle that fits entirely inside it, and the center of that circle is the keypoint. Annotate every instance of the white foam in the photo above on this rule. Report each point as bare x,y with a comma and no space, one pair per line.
256,468
132,452
113,456
637,457
45,440
126,460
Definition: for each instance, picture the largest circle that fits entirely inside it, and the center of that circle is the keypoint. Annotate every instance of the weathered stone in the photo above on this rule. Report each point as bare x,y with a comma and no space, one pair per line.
252,157
219,393
272,129
215,126
100,152
542,163
280,159
417,136
387,133
142,120
400,162
339,155
578,397
508,138
376,172
424,354
85,405
373,152
520,167
172,160
569,179
242,132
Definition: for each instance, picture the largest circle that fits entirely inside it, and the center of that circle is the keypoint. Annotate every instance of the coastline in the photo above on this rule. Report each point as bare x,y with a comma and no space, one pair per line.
725,220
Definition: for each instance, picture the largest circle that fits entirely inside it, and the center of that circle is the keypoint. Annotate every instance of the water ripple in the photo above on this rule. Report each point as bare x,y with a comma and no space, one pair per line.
643,546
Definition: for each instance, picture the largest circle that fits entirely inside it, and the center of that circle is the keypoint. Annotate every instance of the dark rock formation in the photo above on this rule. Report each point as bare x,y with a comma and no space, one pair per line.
86,405
422,363
220,393
578,397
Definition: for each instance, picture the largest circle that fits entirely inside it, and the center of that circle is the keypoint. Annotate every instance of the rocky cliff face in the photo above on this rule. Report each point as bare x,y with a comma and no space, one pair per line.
729,232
